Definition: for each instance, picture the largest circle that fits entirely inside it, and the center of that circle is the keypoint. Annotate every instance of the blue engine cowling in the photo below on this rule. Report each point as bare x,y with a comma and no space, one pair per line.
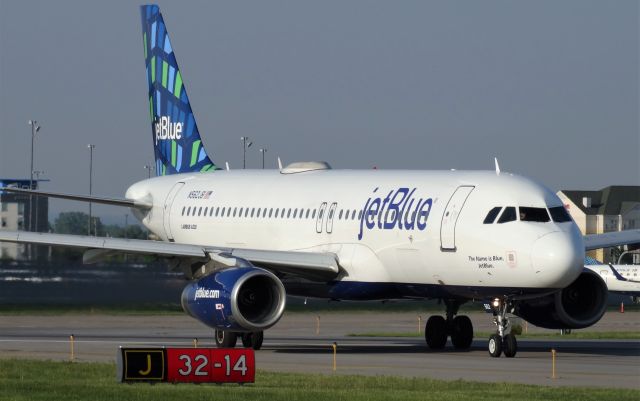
579,305
236,299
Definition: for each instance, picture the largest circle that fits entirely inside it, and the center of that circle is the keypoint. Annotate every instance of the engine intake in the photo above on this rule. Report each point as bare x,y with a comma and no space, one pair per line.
579,305
238,299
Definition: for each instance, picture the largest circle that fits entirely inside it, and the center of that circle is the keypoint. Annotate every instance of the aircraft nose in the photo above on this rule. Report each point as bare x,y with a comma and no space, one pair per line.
558,256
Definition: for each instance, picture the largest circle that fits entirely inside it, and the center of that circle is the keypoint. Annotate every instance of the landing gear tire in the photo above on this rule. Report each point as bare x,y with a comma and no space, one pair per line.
435,332
495,345
226,339
510,345
461,332
253,340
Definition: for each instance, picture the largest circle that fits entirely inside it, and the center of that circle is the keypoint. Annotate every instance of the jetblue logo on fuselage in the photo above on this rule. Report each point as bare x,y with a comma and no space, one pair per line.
400,209
165,129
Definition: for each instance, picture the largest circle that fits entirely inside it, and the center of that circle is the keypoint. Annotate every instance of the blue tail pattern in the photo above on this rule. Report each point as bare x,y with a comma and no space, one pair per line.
177,142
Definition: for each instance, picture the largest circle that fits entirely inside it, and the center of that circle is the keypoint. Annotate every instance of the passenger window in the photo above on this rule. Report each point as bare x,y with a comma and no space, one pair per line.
217,210
211,211
200,211
491,216
295,213
313,215
240,214
340,215
535,214
307,214
188,210
229,212
508,215
206,209
183,209
235,209
288,213
559,214
246,212
353,215
360,215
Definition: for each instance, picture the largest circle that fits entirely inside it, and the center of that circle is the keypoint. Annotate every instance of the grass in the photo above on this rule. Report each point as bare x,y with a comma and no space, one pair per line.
38,309
45,380
576,335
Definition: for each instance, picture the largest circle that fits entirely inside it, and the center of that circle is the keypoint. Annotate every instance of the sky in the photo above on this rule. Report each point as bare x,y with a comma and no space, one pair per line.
551,88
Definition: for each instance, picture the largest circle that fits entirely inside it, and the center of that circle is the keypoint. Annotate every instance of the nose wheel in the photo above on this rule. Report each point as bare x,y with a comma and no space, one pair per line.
503,341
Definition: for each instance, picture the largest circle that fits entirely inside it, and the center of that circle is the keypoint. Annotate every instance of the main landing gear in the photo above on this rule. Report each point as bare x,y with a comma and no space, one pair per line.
459,328
503,341
228,339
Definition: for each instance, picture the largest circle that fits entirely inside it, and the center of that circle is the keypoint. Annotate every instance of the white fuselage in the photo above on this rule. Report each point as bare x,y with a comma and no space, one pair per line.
409,227
628,283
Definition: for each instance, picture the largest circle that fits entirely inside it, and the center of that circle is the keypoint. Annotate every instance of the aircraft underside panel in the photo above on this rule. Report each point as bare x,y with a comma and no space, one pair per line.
364,291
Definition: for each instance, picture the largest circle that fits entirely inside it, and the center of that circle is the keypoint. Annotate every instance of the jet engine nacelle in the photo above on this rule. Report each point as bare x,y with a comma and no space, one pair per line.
579,305
236,299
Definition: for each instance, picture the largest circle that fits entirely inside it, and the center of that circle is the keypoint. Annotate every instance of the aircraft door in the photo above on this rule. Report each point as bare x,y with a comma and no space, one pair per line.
167,209
320,217
330,215
450,217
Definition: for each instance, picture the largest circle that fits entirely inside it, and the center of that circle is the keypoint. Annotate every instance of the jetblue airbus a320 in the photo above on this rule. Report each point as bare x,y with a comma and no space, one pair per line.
247,238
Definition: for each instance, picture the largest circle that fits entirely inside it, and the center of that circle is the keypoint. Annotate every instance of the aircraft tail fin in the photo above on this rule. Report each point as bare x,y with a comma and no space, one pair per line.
176,139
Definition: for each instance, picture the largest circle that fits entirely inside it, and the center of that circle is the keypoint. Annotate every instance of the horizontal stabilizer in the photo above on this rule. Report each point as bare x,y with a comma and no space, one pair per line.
138,204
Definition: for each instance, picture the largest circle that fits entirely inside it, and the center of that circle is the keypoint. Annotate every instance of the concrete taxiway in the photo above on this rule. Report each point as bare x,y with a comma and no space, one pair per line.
299,344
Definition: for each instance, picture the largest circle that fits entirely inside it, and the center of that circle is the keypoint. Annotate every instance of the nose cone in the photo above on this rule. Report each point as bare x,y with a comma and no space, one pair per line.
558,258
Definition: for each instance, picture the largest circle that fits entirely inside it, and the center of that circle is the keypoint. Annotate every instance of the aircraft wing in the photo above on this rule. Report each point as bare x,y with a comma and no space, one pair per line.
607,240
140,204
311,265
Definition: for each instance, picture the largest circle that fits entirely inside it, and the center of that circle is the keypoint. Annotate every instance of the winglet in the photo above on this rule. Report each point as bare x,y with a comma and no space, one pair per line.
615,273
279,163
497,166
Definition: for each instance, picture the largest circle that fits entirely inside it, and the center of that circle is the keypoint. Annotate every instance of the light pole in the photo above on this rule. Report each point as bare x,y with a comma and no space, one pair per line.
91,147
149,169
37,174
34,130
263,151
246,143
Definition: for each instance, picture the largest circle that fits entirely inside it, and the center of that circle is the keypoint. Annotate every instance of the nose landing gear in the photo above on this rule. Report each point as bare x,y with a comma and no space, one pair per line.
503,341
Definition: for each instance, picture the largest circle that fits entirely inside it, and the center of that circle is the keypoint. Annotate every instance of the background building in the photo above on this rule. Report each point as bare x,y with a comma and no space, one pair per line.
614,208
23,213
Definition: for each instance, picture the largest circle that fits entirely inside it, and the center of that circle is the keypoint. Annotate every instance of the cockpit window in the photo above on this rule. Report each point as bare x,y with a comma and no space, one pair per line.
536,214
559,214
491,216
508,215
